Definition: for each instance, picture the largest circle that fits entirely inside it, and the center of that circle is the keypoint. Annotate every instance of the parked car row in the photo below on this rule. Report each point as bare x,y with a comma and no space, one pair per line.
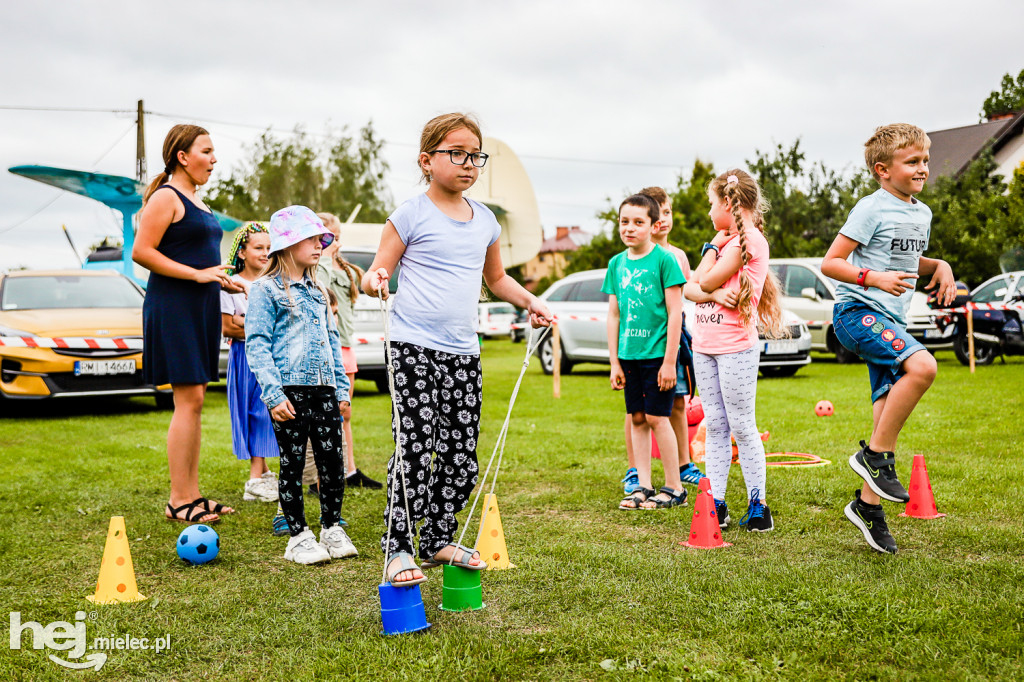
103,304
582,308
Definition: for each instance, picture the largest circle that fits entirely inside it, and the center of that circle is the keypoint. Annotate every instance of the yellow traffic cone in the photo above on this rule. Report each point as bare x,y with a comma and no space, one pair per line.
117,574
491,540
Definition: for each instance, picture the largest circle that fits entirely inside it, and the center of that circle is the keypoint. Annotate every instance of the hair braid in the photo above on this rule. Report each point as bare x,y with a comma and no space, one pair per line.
744,305
740,189
354,272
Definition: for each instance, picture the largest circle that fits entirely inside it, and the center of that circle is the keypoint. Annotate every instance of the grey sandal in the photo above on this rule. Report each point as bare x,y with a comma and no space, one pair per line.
405,563
460,557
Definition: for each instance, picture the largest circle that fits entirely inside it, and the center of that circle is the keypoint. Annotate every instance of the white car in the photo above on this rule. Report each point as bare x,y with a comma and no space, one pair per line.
582,312
811,295
1000,289
495,319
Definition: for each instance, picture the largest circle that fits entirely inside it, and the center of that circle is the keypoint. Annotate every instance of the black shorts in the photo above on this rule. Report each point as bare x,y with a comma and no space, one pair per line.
642,394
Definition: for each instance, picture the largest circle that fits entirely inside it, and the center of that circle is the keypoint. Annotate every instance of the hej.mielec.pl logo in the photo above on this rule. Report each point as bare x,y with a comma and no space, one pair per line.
71,637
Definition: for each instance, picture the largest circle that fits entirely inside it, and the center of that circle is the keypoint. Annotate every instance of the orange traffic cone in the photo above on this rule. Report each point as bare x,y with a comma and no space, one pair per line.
704,530
922,500
655,452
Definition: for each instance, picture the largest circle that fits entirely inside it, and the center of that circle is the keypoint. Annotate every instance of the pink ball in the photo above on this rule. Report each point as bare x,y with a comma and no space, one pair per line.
824,408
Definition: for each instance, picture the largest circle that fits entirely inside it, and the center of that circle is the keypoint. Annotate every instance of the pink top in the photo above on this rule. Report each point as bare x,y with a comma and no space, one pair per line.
717,329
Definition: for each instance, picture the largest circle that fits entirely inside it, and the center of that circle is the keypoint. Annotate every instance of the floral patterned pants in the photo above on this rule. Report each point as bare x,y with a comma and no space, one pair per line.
438,401
318,421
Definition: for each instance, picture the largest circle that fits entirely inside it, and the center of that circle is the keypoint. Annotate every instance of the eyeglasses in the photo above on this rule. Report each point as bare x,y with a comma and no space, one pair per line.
459,156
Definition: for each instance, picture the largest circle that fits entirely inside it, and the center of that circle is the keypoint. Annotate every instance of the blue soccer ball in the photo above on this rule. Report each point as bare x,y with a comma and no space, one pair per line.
198,544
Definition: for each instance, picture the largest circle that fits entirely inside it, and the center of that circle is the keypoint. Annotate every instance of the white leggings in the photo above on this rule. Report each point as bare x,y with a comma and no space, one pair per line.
728,391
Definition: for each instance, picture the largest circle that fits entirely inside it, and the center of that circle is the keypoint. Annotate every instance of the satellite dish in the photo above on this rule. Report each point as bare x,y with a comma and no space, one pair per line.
506,189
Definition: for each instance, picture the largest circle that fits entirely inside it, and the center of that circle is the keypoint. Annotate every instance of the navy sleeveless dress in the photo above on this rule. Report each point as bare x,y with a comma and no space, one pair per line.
181,318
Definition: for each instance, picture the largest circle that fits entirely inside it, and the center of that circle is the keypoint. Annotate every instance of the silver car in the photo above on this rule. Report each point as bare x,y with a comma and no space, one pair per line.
582,312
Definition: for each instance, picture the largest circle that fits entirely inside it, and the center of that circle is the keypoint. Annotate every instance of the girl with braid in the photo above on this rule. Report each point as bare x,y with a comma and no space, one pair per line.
252,435
735,292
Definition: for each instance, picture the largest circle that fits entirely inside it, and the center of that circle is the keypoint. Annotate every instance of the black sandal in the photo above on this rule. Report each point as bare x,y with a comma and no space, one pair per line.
647,493
193,514
218,508
677,499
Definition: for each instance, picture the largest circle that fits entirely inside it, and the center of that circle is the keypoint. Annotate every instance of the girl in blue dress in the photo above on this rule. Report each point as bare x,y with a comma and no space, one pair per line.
252,435
178,241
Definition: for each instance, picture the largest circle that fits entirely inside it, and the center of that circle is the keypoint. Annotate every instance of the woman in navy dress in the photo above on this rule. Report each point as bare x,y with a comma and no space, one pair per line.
178,241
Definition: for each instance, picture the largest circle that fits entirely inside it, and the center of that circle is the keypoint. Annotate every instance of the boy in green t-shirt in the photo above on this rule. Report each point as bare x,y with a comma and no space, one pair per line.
644,319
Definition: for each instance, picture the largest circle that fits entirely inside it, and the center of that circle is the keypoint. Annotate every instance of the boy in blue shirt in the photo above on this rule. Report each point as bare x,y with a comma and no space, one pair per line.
644,284
877,259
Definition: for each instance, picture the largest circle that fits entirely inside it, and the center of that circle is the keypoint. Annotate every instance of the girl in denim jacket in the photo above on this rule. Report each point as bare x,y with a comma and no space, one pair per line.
291,342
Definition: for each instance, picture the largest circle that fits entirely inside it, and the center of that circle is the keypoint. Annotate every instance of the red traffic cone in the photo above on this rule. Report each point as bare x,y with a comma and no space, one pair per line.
704,530
922,500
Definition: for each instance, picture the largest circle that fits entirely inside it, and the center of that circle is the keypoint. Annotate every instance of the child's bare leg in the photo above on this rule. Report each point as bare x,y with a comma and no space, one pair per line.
681,428
666,438
919,373
641,434
257,467
630,457
891,411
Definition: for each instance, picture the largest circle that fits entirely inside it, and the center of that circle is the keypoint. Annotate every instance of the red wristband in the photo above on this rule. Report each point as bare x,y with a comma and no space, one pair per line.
862,277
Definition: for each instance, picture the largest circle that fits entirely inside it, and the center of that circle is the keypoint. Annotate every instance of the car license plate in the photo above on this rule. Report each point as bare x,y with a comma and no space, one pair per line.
104,367
781,347
933,333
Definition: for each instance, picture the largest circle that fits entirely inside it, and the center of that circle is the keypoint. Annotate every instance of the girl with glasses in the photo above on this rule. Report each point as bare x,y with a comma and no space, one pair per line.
446,244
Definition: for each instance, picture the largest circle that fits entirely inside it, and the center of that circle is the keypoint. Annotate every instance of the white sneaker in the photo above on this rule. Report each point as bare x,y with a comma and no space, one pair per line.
269,475
260,490
337,543
303,549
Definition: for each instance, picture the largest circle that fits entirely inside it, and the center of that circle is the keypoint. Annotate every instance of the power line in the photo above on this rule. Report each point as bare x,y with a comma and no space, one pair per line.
253,126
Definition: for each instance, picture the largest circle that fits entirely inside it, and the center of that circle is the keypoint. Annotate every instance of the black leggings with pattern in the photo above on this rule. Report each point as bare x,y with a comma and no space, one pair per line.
439,397
318,421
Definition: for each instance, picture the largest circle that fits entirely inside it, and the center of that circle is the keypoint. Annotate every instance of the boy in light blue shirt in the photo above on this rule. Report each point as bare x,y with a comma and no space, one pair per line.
877,258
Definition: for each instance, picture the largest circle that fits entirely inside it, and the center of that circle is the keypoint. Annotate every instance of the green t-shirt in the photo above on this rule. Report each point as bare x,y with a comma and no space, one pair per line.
338,281
639,287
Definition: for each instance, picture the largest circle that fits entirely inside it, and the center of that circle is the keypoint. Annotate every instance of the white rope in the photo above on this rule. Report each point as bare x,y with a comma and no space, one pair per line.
499,445
396,423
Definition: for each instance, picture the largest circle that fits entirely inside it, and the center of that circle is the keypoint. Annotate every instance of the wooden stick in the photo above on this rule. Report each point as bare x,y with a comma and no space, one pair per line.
970,335
556,362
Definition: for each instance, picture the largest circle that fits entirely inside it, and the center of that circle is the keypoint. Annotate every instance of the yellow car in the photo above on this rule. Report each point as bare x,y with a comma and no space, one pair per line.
72,333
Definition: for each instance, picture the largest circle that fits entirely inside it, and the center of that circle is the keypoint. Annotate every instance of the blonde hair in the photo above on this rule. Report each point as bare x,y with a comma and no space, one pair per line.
354,272
889,139
439,128
744,193
276,268
180,138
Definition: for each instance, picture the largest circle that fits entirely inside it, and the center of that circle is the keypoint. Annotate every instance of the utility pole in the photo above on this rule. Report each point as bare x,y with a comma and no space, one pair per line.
140,146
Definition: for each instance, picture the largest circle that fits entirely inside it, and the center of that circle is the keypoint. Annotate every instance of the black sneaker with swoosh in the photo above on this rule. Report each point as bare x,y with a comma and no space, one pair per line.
870,519
879,471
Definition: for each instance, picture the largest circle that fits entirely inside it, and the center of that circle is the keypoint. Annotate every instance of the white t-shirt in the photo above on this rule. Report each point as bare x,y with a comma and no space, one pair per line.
442,270
234,304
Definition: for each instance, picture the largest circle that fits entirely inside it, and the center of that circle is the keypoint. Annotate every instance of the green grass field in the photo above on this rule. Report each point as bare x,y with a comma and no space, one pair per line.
598,593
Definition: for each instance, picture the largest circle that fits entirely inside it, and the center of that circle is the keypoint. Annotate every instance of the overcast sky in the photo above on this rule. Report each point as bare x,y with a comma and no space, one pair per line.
649,84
